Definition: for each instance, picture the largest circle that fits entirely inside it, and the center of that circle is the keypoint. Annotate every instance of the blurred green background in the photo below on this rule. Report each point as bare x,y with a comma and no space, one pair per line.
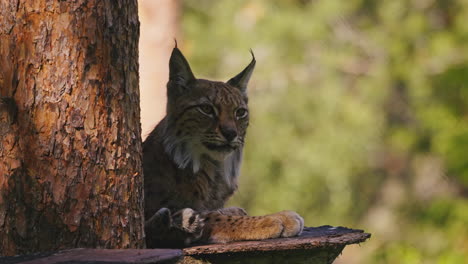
359,113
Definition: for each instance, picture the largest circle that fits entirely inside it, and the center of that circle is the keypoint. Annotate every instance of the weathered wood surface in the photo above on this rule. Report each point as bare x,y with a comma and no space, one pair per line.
315,245
82,255
311,237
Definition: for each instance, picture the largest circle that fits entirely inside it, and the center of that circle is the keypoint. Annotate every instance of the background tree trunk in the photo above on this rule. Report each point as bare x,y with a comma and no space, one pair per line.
160,25
70,161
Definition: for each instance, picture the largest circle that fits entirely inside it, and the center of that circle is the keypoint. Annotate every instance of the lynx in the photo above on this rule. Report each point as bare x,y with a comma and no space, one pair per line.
191,164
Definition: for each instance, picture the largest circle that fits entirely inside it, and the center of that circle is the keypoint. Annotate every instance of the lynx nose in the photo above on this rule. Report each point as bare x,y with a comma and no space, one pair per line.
229,133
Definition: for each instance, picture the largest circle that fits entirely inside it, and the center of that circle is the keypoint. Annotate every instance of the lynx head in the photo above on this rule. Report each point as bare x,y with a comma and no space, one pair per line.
205,118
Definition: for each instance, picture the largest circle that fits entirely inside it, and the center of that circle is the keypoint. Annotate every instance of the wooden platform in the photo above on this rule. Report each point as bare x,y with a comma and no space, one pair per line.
315,245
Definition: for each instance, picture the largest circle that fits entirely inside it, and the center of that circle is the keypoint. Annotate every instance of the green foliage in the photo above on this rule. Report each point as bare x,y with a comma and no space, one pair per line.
358,114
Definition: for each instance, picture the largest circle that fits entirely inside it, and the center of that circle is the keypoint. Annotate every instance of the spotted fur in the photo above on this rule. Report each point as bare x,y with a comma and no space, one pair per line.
191,164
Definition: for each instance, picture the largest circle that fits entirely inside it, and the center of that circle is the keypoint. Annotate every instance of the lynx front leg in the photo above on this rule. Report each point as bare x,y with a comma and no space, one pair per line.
220,228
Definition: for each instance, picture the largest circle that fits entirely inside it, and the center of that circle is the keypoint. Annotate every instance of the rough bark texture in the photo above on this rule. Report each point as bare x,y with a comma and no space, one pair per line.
70,159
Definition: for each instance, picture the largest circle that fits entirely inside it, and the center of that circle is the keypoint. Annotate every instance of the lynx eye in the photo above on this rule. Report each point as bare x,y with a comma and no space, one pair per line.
241,113
206,109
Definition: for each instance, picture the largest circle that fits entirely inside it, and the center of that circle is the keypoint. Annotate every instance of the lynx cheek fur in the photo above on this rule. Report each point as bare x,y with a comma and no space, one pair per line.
191,163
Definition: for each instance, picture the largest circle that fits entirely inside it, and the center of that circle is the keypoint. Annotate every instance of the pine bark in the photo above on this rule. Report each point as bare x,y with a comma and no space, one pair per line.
70,148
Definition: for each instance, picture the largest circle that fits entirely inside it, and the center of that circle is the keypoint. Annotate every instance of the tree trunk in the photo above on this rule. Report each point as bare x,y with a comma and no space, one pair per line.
70,159
159,27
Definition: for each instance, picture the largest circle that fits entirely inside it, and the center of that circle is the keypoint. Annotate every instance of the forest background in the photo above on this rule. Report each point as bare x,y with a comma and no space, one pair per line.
359,111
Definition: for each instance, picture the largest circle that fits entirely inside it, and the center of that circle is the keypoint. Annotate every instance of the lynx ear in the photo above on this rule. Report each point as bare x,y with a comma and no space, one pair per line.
242,79
180,73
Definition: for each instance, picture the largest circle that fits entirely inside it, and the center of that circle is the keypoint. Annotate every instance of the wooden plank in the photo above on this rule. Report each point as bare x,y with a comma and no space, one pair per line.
311,237
82,255
310,256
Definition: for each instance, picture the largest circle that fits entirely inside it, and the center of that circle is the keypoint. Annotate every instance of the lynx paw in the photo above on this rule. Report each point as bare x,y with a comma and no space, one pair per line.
293,223
162,218
188,220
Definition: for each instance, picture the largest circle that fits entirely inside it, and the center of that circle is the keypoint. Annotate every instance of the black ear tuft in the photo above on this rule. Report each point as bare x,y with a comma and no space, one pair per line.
179,70
242,79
